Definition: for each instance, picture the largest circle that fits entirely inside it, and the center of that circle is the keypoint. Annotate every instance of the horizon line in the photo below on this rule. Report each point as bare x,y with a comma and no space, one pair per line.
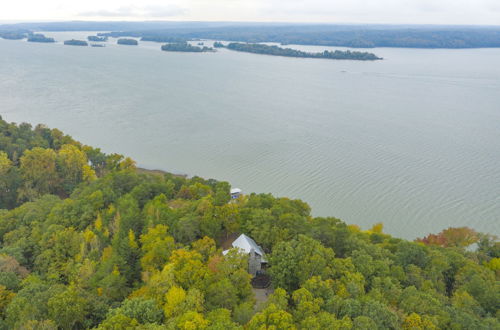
13,22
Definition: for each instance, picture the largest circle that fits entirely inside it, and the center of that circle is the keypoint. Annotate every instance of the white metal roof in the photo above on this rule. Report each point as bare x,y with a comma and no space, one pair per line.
246,244
235,191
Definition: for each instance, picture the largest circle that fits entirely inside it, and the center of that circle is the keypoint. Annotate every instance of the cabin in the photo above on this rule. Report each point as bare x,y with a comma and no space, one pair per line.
257,261
235,193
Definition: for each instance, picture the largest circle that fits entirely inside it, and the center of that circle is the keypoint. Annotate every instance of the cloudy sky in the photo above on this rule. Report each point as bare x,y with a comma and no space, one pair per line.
328,11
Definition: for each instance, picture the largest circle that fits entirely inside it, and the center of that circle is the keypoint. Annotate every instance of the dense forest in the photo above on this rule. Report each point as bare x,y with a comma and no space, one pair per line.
355,36
288,52
74,42
89,242
185,47
125,41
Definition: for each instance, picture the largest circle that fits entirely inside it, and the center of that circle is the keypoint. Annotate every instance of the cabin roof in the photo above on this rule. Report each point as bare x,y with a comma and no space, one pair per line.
246,244
235,191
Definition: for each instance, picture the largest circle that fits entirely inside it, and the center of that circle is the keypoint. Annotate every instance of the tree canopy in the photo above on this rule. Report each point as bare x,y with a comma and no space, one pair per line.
89,242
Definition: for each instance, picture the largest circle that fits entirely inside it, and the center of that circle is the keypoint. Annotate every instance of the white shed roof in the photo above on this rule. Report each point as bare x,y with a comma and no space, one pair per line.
246,244
235,191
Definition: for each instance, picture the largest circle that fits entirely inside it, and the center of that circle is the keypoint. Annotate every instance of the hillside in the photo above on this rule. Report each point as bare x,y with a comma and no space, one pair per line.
88,241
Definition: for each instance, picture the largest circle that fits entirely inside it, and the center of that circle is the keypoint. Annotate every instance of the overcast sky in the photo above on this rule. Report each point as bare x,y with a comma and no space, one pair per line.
484,12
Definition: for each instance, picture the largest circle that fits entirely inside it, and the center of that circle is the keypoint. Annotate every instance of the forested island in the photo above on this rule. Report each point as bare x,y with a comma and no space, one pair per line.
288,52
125,41
74,42
185,47
89,242
97,38
38,37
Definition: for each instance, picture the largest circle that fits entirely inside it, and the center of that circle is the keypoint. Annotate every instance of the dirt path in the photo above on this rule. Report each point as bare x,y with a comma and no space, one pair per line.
261,297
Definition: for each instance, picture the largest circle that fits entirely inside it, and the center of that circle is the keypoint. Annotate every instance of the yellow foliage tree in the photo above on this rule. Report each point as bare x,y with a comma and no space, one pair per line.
74,166
5,163
192,321
189,269
175,299
178,301
38,168
415,322
157,246
5,298
377,228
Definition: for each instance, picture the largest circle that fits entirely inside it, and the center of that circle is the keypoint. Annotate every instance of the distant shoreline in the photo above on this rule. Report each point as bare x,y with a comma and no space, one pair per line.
424,36
142,170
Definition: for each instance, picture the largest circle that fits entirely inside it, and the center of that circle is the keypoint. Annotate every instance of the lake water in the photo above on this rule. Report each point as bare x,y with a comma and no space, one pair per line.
412,141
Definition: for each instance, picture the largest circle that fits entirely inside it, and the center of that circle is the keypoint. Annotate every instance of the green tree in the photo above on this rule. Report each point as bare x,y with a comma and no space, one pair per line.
272,318
68,308
38,169
9,182
6,297
119,321
220,319
141,309
294,262
157,246
73,167
222,195
192,320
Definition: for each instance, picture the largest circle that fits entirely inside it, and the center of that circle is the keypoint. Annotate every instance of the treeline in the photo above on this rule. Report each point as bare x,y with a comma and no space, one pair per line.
288,52
185,47
38,161
74,42
13,35
355,36
98,245
125,41
163,39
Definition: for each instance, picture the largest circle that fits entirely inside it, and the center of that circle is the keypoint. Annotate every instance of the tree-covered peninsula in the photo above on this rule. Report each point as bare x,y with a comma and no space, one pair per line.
10,35
74,42
38,37
129,42
288,52
89,242
185,47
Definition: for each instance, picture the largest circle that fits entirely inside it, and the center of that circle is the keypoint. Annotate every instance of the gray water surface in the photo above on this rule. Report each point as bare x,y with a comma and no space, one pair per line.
412,141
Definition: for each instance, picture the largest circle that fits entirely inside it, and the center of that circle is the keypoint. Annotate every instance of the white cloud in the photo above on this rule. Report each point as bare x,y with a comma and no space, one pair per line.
156,11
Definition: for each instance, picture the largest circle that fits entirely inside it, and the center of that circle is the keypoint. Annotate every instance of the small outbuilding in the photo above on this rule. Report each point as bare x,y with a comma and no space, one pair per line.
235,193
256,258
